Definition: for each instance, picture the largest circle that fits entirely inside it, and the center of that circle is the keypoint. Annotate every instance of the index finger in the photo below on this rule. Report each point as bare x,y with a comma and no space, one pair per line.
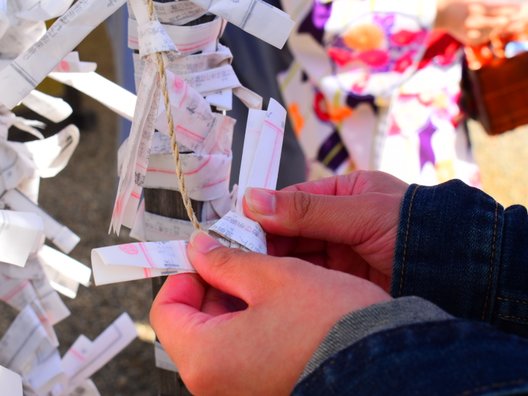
358,182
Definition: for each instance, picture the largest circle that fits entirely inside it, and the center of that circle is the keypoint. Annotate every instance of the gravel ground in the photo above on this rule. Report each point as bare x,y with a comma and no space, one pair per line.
82,196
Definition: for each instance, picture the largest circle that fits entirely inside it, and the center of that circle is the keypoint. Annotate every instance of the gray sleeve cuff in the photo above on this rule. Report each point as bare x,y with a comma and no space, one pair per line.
359,324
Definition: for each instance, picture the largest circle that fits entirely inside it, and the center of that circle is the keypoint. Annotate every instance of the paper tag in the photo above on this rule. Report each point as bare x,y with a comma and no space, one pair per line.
10,382
135,159
106,92
260,162
60,235
62,284
206,175
43,10
46,373
178,12
25,72
74,359
71,63
262,149
22,230
139,261
213,80
14,169
152,227
195,125
50,155
245,232
16,292
52,304
153,38
192,63
163,361
151,34
32,269
54,109
108,344
21,341
64,264
185,39
256,17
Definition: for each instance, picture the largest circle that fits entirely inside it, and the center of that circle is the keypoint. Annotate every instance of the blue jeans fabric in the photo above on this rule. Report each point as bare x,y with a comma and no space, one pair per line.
463,251
453,357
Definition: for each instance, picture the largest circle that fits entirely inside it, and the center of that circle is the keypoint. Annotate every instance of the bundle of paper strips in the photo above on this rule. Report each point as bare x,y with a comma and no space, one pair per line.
198,90
32,274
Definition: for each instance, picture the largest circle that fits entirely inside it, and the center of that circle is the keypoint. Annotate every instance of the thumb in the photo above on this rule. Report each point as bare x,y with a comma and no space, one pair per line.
241,274
351,219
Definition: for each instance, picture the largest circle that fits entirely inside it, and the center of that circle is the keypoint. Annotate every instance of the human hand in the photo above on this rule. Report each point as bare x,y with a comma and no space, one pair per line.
346,223
517,29
253,322
472,21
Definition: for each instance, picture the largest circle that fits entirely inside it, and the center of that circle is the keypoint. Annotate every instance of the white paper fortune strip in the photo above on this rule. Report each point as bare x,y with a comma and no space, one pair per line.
60,235
10,382
25,72
152,227
107,345
54,109
185,39
163,361
139,261
256,17
135,157
259,168
42,10
111,95
64,273
148,259
177,12
19,345
51,155
20,234
206,175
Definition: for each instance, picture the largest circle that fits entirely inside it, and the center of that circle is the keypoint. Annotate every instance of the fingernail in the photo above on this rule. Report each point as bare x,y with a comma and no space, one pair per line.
202,242
261,201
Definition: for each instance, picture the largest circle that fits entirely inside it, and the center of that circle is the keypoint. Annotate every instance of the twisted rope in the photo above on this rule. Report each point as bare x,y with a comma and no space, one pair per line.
170,121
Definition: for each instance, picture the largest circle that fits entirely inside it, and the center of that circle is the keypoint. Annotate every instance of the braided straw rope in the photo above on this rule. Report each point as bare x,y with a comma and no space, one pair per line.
170,121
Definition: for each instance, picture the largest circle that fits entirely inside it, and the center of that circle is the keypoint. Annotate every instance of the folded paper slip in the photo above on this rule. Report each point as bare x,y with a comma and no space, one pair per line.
139,260
259,168
25,72
10,382
23,230
61,236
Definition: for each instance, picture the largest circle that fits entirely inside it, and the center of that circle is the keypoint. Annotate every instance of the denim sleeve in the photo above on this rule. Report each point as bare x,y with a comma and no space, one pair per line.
449,357
460,249
379,317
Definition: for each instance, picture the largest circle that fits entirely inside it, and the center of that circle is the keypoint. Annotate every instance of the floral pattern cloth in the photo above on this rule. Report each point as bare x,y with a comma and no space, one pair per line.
373,88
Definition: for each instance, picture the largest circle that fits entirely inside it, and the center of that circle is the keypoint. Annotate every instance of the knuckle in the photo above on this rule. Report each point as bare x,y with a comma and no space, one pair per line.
221,256
224,258
301,205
